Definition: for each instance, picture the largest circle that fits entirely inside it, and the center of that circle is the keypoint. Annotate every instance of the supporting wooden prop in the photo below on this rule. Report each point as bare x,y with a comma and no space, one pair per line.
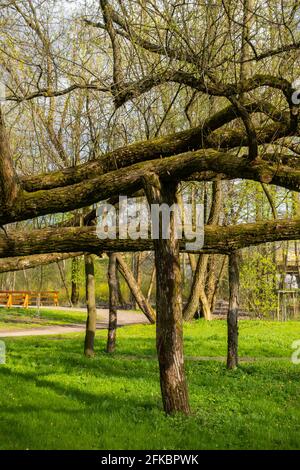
169,329
232,317
91,306
113,299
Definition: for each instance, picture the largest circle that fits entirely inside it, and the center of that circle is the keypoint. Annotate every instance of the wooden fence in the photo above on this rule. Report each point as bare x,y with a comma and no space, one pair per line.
11,298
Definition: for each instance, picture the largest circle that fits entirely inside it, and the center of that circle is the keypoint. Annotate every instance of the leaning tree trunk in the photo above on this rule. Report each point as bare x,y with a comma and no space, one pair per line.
136,292
232,317
197,291
113,299
169,330
63,278
213,281
91,306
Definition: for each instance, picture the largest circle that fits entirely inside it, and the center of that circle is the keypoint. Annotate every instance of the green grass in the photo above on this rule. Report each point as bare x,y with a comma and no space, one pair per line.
54,398
21,318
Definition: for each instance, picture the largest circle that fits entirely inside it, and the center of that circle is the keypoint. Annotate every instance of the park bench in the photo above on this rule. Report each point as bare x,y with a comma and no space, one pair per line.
12,298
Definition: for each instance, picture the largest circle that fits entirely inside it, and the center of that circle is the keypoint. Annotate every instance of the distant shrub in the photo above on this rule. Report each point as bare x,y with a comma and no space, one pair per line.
258,284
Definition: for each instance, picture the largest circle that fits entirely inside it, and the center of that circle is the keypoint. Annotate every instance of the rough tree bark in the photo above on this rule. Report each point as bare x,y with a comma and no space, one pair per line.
169,334
232,317
29,262
189,166
202,136
113,299
91,306
217,239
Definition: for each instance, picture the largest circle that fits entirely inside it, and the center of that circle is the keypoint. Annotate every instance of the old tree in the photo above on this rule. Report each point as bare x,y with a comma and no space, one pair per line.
131,97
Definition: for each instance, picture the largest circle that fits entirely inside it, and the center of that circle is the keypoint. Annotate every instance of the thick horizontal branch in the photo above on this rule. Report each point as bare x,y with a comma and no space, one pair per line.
121,182
217,239
134,89
32,261
202,136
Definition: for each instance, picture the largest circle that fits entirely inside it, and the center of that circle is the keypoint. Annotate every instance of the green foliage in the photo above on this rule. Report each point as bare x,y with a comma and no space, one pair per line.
258,284
75,270
55,398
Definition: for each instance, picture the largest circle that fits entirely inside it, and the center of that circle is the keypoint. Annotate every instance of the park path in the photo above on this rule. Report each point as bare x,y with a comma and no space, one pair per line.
125,317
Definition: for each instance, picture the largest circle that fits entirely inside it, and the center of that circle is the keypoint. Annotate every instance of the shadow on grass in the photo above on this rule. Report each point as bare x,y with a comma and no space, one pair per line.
109,368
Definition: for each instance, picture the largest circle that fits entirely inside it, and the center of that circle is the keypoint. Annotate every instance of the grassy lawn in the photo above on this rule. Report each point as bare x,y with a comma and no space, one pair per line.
21,318
54,398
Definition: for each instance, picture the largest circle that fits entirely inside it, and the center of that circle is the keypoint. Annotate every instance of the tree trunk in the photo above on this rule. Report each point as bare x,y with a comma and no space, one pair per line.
75,283
91,306
113,299
74,294
136,270
62,273
135,290
9,187
169,330
121,301
151,284
213,282
232,317
197,291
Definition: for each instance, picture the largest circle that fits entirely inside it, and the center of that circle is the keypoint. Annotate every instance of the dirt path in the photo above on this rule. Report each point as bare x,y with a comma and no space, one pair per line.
125,317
